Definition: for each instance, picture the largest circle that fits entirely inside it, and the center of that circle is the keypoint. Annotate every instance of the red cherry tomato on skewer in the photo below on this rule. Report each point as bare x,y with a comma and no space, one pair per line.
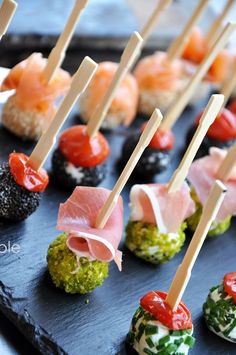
77,147
154,303
224,126
230,284
24,175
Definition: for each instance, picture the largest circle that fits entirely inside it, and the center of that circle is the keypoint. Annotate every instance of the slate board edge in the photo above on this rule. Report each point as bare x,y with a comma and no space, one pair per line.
39,338
103,43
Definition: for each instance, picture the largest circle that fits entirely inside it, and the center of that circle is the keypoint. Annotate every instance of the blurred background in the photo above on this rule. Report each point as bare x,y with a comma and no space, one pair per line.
105,25
103,31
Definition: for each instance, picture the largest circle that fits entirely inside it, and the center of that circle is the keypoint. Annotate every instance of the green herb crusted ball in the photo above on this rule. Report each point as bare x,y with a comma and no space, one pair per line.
145,241
217,227
220,313
68,275
148,336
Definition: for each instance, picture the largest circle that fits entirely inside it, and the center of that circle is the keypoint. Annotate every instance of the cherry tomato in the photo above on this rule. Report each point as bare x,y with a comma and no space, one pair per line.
230,284
154,303
232,107
161,140
77,147
224,126
24,175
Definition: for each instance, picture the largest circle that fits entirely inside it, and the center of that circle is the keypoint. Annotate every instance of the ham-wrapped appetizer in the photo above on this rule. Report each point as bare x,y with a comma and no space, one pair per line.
92,219
202,176
28,112
124,105
155,231
78,259
79,159
220,308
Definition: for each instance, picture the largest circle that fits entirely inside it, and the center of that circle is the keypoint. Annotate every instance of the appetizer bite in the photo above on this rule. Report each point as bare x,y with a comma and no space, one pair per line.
220,308
82,152
22,179
222,133
155,232
79,159
78,259
162,324
219,164
38,84
197,47
121,107
160,81
29,111
162,76
158,155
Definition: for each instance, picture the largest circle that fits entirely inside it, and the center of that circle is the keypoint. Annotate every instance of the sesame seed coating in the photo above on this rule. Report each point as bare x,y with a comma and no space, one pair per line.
16,203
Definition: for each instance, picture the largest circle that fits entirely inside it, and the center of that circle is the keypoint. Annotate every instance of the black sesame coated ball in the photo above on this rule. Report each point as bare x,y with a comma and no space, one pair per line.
16,203
207,143
68,176
153,161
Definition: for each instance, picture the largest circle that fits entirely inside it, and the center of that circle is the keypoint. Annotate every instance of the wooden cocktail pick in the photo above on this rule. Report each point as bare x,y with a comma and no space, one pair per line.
7,11
183,273
152,20
210,113
180,103
57,54
79,83
143,142
227,165
229,84
128,57
218,24
177,47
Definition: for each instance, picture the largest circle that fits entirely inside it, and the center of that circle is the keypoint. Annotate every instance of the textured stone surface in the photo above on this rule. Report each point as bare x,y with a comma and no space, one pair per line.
57,323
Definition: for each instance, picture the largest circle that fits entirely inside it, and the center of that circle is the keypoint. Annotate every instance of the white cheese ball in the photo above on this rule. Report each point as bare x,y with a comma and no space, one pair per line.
149,336
220,313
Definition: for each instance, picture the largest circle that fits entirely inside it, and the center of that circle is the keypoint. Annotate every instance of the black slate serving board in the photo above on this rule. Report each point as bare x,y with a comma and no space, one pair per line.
57,323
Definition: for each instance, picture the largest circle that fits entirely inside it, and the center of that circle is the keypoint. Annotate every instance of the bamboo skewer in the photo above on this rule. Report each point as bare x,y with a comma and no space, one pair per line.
57,54
229,84
128,57
183,273
210,113
218,24
79,83
152,20
144,141
176,48
7,11
227,165
179,104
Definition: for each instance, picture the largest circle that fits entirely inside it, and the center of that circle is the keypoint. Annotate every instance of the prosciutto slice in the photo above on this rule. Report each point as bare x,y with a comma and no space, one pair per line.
202,176
77,217
153,204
